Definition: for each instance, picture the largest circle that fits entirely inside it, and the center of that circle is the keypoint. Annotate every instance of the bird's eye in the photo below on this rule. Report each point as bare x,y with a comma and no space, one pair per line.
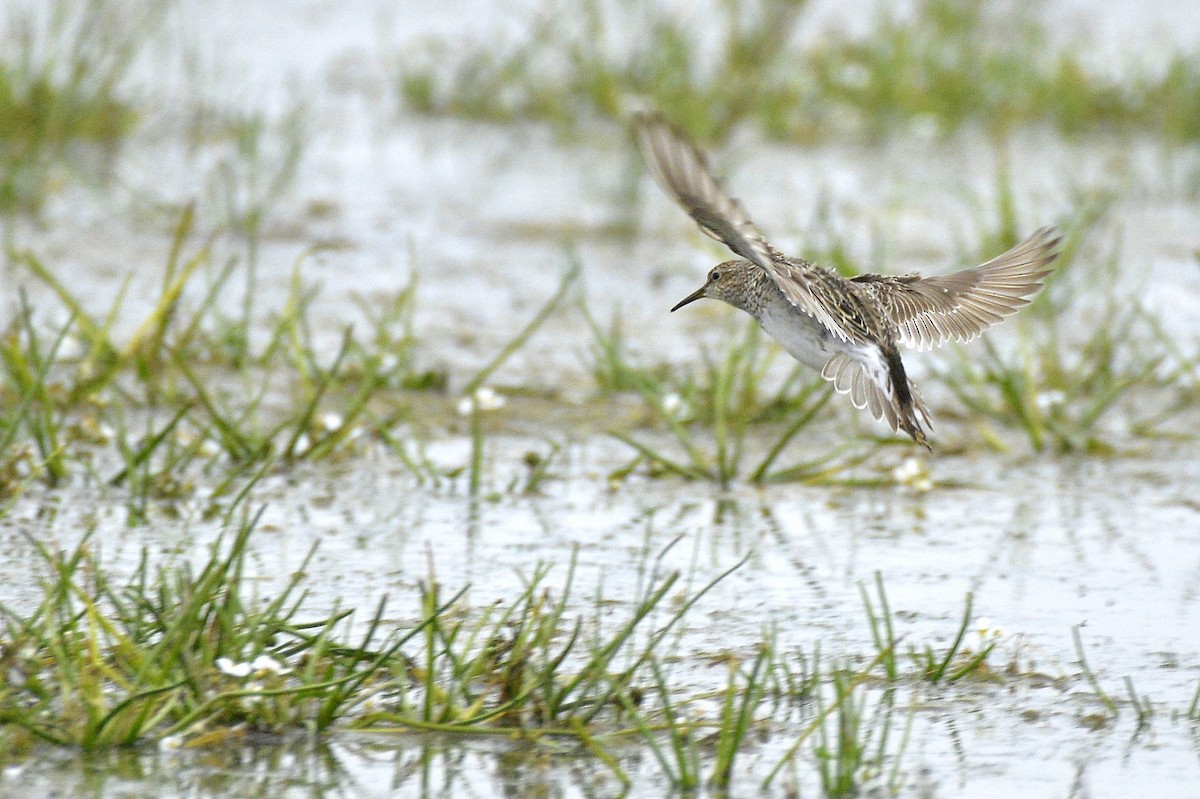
715,276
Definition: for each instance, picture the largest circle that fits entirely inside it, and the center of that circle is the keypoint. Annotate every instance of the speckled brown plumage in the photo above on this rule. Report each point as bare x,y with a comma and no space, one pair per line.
847,328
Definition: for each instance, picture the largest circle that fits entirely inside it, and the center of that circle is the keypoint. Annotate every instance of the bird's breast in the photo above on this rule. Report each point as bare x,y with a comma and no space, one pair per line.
804,338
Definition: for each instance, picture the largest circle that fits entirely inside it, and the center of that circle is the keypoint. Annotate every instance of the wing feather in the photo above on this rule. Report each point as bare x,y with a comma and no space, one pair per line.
928,311
683,173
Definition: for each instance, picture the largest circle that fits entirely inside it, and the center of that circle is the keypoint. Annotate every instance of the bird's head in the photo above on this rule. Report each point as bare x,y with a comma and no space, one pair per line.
730,282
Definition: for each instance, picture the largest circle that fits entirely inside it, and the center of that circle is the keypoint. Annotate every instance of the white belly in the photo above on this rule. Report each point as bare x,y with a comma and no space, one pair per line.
804,338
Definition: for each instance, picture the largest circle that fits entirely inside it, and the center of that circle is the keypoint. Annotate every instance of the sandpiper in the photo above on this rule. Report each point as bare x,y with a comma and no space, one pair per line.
847,328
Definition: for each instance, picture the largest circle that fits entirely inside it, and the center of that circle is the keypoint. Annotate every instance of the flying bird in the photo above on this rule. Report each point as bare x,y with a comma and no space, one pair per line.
848,329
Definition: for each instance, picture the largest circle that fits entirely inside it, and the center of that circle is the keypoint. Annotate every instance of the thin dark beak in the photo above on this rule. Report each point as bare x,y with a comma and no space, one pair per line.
695,295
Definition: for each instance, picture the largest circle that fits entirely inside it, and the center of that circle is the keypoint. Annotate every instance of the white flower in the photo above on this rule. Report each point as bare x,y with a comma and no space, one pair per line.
908,470
913,472
71,348
268,663
1046,400
488,399
484,399
227,666
329,421
673,405
170,743
262,664
987,631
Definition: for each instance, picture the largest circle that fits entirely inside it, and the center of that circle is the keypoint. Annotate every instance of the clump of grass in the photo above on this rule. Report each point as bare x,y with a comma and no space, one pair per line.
188,390
842,758
943,66
951,64
180,652
529,666
859,750
580,62
956,662
61,70
173,652
187,656
679,743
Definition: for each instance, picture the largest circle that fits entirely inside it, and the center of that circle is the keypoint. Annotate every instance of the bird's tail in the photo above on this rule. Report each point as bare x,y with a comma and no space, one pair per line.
910,409
876,380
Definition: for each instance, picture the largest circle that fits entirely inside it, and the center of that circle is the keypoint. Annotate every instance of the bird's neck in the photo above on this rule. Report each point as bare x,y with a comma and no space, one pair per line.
759,293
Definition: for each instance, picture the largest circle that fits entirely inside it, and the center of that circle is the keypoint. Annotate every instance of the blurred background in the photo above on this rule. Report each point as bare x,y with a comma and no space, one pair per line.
393,275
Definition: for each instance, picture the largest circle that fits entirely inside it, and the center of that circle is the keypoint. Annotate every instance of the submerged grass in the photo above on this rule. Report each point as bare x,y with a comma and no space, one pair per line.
177,653
188,654
932,71
582,61
62,65
197,402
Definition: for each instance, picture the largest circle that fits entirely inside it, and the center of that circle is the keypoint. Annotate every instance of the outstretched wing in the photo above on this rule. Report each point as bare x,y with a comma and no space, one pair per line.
928,311
682,171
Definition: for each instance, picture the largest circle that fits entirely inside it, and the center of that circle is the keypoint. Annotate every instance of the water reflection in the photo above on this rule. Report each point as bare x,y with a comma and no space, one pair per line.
1042,549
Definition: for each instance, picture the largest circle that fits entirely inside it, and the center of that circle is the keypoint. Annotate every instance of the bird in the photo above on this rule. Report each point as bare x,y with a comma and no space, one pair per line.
848,329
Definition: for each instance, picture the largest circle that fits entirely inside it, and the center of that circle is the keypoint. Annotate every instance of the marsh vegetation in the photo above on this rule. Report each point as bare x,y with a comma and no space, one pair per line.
449,492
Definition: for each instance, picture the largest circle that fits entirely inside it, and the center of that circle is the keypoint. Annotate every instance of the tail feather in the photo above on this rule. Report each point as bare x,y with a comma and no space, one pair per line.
908,405
881,386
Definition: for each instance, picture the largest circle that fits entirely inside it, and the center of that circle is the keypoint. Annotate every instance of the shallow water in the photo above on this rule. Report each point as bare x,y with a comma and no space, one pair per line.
1041,544
489,217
